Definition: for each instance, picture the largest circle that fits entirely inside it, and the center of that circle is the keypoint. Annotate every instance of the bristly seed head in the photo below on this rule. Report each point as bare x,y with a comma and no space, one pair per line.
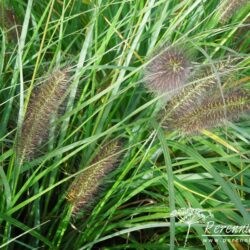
193,94
213,112
168,71
86,185
229,7
189,97
43,104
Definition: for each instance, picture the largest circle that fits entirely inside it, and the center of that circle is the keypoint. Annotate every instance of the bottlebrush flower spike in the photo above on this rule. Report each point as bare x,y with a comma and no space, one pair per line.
168,71
86,185
189,98
43,104
213,112
229,7
192,95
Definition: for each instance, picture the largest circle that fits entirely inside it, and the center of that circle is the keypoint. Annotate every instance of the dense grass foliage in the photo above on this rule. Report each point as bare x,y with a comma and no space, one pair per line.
109,48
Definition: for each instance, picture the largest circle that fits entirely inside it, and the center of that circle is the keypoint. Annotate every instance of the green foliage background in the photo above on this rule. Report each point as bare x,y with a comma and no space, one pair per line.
106,44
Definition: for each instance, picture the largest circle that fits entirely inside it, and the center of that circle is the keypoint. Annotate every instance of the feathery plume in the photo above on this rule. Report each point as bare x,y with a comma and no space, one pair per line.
192,95
189,98
168,71
43,104
86,185
213,112
229,7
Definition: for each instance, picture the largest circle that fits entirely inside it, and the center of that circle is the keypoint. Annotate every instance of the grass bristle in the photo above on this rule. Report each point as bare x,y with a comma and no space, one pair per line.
43,104
86,185
213,112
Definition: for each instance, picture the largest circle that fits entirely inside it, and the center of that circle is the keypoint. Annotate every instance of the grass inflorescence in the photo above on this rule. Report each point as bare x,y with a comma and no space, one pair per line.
188,98
85,186
44,102
167,71
197,105
229,8
213,112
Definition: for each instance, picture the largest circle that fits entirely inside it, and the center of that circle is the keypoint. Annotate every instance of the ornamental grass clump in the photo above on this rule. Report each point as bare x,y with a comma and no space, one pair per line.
44,102
86,185
167,71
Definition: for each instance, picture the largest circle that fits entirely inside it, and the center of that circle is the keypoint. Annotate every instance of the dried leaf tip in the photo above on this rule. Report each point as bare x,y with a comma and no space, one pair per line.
43,104
168,71
86,185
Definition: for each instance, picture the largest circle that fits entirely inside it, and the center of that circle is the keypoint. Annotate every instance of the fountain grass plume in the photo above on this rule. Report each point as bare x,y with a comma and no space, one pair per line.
229,8
43,104
193,94
213,112
188,98
86,185
167,71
